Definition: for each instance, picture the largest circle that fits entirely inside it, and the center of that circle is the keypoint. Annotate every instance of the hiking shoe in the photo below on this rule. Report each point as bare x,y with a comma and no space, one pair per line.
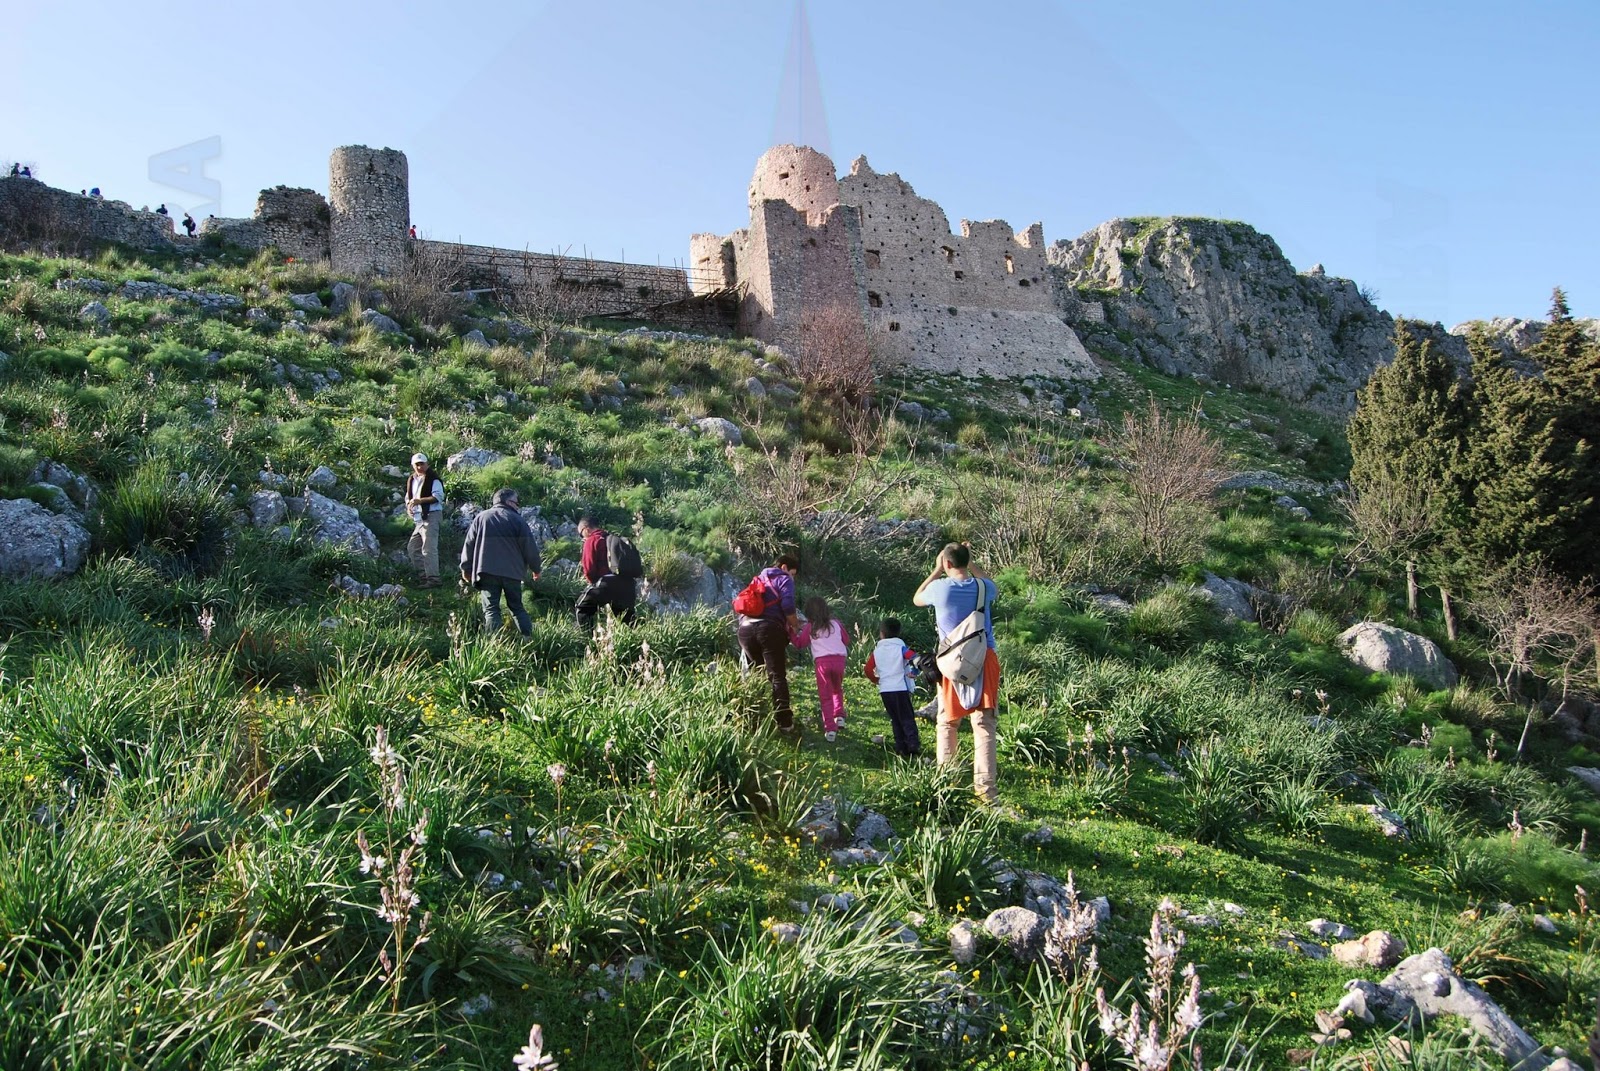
830,736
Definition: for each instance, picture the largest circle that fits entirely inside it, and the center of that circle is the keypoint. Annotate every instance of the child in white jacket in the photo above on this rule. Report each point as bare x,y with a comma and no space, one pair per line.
890,668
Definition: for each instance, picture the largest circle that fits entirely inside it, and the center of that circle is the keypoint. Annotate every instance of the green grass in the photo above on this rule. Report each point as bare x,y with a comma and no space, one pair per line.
179,874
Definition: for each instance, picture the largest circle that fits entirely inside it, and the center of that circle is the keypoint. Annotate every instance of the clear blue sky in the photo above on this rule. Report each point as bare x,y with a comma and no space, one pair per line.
1445,154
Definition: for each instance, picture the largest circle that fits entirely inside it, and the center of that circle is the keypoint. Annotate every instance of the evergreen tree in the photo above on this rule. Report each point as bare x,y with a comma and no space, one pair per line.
1407,444
1571,364
1520,512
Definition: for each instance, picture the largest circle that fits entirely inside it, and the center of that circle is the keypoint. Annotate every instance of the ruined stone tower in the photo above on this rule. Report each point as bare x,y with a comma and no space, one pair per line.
979,302
370,196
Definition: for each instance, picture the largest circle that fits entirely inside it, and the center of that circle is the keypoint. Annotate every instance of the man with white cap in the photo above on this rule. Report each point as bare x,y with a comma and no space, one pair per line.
425,502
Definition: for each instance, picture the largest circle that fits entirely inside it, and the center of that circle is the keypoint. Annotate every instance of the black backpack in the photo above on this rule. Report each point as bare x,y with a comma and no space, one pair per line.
624,557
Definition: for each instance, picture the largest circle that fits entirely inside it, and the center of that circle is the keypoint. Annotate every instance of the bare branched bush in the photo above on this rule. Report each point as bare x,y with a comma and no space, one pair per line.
833,353
1024,508
1536,618
1174,467
541,297
783,498
1393,519
430,290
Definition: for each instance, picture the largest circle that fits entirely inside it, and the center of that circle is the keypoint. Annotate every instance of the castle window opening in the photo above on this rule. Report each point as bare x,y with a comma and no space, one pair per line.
1011,265
875,300
961,274
894,326
874,258
950,255
1023,282
784,175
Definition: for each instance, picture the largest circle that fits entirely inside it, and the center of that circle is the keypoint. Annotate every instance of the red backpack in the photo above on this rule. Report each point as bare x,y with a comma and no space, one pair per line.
755,598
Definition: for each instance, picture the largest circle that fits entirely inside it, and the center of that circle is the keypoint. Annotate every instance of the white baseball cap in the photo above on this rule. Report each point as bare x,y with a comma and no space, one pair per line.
419,457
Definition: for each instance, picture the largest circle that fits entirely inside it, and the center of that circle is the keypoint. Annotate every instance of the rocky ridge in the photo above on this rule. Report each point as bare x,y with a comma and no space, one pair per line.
1219,300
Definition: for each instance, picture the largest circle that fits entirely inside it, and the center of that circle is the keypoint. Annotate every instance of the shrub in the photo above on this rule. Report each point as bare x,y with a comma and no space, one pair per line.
178,522
945,868
1215,799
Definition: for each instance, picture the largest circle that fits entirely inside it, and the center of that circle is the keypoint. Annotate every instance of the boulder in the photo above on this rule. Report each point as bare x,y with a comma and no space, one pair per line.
96,314
474,340
473,457
381,323
343,296
80,492
1589,775
268,509
1020,930
1378,948
37,543
260,318
322,478
1331,931
1392,824
275,480
755,388
1231,598
1383,648
305,302
1427,985
721,428
335,522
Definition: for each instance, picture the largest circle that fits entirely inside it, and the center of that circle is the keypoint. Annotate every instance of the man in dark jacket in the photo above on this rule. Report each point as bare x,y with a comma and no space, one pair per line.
764,639
605,588
499,549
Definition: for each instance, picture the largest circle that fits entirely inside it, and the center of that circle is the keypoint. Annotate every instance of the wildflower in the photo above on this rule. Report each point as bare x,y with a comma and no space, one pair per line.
557,772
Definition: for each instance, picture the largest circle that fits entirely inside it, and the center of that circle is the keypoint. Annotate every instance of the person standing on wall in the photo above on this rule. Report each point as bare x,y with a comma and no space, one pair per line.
500,548
957,590
425,502
188,224
767,618
609,582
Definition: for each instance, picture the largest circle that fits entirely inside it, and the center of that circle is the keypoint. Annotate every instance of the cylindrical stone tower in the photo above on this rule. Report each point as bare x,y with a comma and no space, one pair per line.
369,192
799,175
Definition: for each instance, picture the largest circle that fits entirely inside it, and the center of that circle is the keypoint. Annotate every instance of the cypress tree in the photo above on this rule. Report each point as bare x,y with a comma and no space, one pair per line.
1407,439
1571,365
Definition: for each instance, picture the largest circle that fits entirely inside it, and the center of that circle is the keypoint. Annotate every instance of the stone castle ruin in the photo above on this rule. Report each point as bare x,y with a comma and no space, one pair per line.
864,250
981,302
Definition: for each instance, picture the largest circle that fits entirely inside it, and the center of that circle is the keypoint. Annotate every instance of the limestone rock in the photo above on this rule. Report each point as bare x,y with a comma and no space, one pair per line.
306,302
322,478
96,314
381,322
1230,597
81,493
1589,775
335,522
872,828
1378,948
1428,981
1392,824
268,509
474,340
1020,930
1332,931
964,942
343,295
260,318
1205,297
37,543
755,388
473,457
721,428
1383,648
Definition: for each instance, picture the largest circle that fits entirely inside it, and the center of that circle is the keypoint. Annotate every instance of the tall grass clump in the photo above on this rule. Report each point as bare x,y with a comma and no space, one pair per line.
176,521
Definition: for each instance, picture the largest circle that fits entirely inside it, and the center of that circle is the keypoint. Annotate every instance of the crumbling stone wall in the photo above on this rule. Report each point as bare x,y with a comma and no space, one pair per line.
713,264
980,302
575,286
369,195
297,221
36,214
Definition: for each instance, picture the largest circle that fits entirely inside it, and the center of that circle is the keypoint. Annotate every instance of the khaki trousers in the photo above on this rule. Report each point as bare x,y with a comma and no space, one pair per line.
423,546
985,736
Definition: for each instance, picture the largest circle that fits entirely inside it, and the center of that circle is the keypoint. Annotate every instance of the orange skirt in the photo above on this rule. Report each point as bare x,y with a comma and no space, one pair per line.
988,698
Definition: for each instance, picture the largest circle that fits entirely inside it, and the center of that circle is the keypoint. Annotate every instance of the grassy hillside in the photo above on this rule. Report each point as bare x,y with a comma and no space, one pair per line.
607,838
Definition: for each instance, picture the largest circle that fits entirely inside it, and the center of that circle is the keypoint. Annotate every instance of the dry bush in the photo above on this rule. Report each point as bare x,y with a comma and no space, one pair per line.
1392,519
1023,508
1535,616
430,289
1174,467
835,362
541,297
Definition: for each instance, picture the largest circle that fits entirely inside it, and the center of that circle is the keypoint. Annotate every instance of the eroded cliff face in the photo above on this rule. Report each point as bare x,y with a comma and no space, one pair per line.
1514,337
1218,299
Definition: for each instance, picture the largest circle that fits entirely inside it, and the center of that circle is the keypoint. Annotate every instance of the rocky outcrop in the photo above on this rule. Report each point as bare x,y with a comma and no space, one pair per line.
35,543
338,523
1211,298
1383,648
1514,337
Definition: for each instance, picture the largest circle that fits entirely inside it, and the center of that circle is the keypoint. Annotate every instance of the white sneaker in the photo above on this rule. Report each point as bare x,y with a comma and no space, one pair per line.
831,737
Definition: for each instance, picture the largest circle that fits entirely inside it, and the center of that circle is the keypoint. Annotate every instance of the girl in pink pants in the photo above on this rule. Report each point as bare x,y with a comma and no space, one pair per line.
830,644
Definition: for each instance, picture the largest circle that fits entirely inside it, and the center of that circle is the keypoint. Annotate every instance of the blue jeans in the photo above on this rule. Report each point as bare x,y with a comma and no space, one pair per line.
492,587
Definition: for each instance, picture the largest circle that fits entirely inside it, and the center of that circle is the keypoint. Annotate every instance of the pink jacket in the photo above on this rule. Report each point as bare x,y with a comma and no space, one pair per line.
833,640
